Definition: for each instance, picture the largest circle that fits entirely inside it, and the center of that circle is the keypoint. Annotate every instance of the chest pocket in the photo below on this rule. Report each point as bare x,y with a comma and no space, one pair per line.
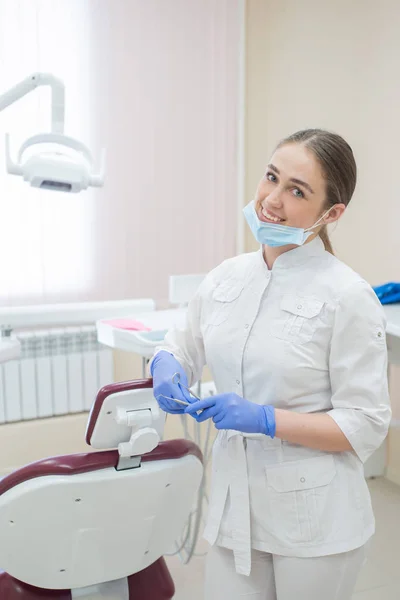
298,319
223,302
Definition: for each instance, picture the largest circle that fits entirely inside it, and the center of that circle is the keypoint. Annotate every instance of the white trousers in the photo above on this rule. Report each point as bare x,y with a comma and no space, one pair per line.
283,578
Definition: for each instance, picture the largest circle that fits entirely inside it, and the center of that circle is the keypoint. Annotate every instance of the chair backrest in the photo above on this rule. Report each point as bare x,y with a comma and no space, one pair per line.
74,521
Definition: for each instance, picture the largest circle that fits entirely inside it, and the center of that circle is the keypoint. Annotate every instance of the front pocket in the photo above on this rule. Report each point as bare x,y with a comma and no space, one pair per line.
298,319
223,301
299,498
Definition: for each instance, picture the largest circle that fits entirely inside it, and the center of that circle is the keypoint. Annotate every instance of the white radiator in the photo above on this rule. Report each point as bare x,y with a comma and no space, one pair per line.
59,372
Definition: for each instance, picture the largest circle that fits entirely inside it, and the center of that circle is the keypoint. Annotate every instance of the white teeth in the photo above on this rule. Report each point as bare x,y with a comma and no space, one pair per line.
270,217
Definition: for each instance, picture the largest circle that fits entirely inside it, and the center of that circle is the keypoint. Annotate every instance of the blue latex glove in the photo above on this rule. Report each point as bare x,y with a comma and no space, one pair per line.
230,411
163,368
388,293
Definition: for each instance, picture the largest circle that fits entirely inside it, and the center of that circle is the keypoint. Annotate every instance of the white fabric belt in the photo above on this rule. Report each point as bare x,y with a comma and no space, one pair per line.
240,501
233,477
240,496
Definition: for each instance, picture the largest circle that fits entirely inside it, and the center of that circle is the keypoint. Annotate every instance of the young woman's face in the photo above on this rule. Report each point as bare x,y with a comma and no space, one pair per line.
293,190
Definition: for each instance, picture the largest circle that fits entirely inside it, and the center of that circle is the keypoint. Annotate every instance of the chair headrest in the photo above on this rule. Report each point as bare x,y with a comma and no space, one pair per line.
126,416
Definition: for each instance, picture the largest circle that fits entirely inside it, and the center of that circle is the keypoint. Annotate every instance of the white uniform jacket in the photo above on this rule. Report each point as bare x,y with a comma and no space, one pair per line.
307,336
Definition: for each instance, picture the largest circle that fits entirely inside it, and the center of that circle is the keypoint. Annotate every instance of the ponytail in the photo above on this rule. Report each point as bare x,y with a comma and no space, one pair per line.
323,234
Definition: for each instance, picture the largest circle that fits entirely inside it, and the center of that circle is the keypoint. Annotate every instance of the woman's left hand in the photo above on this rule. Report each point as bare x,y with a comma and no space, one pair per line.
230,411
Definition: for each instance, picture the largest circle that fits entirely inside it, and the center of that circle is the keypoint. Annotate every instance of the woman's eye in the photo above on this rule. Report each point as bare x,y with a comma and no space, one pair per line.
298,193
271,177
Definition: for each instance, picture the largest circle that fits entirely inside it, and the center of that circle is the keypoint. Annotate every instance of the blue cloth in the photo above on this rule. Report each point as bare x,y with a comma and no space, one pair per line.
230,411
389,293
163,368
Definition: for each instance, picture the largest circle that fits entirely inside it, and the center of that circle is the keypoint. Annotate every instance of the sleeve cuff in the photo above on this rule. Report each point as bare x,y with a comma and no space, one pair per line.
356,433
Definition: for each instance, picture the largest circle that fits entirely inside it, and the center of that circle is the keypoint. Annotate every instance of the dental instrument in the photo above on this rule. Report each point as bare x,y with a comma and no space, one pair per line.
178,401
176,378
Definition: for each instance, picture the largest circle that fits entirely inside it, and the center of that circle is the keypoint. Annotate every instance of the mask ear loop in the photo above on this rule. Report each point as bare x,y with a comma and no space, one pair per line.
320,219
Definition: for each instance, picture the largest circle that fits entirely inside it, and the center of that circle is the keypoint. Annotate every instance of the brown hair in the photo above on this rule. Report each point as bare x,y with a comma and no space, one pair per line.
338,165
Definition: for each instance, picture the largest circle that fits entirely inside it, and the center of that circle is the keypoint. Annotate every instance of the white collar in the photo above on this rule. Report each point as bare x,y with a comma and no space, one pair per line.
297,256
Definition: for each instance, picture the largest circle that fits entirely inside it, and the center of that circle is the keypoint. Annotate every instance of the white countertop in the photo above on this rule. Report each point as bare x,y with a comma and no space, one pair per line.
141,342
392,312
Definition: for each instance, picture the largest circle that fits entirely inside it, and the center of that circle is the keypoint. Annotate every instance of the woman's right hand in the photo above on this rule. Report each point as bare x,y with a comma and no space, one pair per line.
163,368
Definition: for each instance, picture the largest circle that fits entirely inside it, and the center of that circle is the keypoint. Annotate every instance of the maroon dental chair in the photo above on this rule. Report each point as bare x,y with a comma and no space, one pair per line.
97,525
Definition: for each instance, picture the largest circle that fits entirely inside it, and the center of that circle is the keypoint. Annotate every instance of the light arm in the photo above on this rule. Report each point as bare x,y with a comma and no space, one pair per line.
32,82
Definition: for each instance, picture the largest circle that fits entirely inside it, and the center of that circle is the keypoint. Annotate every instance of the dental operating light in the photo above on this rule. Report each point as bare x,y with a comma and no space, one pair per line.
68,165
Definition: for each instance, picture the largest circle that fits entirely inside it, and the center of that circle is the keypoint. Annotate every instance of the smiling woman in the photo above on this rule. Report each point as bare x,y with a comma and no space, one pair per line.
298,409
310,179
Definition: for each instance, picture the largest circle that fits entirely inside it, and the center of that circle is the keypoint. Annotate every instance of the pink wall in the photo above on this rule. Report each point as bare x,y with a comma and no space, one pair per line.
165,88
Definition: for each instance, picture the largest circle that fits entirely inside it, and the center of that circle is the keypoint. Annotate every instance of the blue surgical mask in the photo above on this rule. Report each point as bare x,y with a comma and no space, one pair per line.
275,234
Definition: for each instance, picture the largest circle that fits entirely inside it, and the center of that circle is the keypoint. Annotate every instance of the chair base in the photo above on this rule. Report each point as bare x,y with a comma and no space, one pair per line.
153,583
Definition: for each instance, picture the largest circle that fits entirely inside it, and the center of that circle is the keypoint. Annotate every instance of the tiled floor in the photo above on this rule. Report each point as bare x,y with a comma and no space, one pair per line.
380,578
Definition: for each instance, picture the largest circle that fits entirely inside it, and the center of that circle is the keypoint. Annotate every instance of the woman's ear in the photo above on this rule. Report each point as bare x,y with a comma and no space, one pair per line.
334,214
